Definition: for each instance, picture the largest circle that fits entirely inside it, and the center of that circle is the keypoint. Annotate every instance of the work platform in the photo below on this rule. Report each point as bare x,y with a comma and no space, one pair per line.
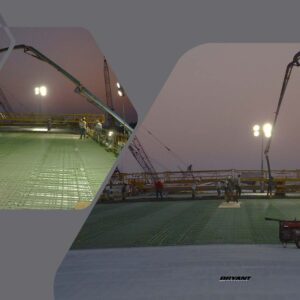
41,170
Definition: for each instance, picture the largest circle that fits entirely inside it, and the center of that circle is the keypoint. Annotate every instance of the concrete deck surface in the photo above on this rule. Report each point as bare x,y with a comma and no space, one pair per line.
179,273
41,170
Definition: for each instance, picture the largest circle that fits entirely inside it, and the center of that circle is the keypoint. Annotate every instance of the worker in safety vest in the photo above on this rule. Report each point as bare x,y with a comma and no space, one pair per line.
271,184
194,189
238,186
159,189
219,188
82,128
49,124
98,130
124,191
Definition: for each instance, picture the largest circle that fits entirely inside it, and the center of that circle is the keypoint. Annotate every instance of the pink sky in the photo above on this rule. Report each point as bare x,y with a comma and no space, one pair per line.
73,49
211,100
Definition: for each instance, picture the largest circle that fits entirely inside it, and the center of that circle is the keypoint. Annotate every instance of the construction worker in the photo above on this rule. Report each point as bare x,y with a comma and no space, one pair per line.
110,191
238,186
82,128
270,186
229,189
219,188
159,189
124,191
194,189
98,130
49,124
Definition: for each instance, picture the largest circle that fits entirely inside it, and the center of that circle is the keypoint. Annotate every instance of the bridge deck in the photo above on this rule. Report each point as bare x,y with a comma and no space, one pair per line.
185,223
185,272
50,170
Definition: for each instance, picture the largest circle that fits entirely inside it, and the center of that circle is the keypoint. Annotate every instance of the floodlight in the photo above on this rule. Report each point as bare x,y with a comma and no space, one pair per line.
43,91
267,129
256,127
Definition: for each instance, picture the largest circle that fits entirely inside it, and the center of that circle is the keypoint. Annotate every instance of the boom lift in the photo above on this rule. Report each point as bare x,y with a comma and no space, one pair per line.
79,88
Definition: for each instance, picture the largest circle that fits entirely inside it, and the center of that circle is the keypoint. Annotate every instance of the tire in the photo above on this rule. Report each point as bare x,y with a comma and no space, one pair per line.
297,242
284,244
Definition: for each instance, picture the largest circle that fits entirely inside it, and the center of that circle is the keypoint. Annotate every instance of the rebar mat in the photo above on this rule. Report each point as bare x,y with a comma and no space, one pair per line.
50,171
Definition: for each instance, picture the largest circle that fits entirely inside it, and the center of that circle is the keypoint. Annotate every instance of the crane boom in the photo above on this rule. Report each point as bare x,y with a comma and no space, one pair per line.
79,88
142,158
294,63
108,92
136,148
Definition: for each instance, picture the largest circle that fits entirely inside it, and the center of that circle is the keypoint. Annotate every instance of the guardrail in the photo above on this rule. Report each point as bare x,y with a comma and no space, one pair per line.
39,119
285,181
112,140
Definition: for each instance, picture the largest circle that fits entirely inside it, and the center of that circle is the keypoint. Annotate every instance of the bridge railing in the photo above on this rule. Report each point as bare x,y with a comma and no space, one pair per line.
285,181
42,119
111,139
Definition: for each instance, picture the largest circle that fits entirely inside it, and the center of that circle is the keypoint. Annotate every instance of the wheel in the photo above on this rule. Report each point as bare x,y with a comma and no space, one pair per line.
297,242
284,244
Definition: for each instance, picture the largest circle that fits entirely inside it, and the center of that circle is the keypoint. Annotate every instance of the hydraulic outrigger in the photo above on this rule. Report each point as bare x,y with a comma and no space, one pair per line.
79,88
294,63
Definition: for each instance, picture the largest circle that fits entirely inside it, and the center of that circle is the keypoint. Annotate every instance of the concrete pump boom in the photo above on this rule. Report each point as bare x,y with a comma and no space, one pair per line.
294,63
79,88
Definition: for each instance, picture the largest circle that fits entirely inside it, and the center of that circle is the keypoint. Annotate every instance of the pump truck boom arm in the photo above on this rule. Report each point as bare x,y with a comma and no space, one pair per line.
294,63
79,88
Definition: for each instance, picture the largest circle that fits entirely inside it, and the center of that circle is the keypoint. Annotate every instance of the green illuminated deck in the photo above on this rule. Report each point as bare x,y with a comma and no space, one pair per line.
49,170
184,223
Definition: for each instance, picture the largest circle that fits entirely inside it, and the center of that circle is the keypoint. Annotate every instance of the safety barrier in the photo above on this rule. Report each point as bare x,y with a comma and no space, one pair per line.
42,119
284,181
112,140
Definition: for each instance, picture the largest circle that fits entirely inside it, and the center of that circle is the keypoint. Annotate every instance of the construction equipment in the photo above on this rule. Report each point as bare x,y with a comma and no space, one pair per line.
289,231
109,100
294,63
79,88
142,158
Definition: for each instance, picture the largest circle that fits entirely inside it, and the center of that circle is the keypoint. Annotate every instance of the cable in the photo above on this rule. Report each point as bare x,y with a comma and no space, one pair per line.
168,149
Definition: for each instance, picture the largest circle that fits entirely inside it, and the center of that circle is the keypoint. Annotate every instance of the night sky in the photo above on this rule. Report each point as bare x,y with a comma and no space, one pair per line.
75,50
209,104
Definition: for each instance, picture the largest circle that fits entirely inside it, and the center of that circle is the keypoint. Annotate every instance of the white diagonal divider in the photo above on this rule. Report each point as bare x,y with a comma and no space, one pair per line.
11,44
